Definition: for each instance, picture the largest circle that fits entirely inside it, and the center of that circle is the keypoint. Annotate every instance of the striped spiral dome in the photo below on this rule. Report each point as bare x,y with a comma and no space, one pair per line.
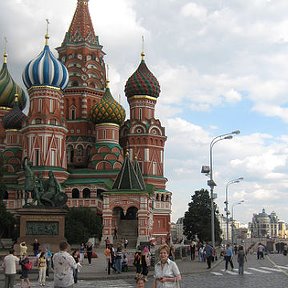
45,70
142,82
108,110
8,89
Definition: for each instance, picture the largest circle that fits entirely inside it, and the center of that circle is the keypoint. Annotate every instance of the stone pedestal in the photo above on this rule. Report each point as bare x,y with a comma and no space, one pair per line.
45,224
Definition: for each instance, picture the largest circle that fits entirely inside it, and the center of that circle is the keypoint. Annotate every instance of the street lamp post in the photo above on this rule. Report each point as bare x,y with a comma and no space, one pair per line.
232,219
211,182
226,204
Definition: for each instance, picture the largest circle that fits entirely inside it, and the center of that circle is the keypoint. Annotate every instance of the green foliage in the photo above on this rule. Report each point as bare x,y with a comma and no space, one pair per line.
197,220
7,221
81,224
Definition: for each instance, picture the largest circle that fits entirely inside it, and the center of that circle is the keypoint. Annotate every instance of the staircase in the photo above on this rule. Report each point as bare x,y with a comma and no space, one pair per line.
127,229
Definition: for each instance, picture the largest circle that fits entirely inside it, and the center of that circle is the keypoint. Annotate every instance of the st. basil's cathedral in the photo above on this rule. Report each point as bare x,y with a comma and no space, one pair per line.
77,130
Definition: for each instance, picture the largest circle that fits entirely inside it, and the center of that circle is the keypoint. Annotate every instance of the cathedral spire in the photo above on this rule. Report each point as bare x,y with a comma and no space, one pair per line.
5,50
81,28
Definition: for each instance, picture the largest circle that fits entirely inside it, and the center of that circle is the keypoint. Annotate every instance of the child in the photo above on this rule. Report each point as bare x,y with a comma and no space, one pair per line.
140,283
42,265
125,264
240,259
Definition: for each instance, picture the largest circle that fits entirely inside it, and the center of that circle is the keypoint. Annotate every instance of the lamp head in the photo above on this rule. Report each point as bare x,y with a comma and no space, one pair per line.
228,137
236,132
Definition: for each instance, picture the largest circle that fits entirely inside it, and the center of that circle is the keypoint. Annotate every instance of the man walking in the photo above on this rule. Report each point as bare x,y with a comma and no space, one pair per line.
9,265
228,257
208,251
64,264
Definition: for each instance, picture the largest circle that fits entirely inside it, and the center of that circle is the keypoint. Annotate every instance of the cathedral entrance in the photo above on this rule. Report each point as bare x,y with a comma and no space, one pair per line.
126,225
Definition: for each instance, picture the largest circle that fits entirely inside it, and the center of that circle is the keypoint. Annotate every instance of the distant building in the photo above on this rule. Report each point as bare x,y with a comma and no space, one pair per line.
282,230
179,230
264,225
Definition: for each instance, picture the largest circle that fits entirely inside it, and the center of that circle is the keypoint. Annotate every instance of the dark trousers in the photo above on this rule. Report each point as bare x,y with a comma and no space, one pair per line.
89,256
145,270
9,280
209,260
228,259
75,275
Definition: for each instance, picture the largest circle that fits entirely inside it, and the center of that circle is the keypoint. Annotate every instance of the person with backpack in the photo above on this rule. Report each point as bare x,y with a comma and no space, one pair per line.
26,266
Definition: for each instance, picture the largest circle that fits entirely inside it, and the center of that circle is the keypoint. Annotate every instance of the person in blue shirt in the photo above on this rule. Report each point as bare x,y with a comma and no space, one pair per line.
209,254
228,257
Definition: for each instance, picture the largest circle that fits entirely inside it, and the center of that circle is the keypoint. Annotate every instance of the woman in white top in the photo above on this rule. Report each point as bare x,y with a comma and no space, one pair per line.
166,271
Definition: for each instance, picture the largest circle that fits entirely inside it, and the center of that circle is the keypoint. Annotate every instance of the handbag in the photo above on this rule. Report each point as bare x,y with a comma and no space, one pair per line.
28,265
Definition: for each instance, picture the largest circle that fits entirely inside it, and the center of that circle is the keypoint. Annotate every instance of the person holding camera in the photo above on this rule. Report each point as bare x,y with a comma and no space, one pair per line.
166,272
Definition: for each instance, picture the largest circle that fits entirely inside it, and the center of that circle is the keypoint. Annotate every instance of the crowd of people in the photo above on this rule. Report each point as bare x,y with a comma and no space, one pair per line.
66,266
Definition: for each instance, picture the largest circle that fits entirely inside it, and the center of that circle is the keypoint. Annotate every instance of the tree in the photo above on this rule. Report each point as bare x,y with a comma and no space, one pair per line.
7,222
82,223
197,220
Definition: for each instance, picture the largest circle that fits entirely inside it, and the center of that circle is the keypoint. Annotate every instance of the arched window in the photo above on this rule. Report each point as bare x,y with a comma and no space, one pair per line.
75,193
162,197
79,150
72,112
5,196
86,193
70,154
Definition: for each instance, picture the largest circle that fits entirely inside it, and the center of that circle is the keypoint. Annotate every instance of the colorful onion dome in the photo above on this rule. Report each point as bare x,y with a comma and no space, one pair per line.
8,89
14,118
142,82
108,110
45,70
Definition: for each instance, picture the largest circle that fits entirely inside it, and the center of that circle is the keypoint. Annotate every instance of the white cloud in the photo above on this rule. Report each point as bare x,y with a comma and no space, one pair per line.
194,10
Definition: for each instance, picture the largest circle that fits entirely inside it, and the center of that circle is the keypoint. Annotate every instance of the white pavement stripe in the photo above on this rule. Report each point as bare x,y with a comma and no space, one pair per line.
258,270
271,269
231,272
281,267
248,273
217,273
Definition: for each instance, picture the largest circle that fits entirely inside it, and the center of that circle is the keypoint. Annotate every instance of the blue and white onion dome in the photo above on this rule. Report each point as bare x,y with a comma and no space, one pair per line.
45,70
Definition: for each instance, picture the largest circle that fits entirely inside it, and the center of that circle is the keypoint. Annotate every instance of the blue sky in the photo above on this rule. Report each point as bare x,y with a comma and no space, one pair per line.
222,66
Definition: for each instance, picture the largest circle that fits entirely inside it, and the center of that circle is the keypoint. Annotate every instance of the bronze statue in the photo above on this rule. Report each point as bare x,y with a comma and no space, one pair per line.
44,193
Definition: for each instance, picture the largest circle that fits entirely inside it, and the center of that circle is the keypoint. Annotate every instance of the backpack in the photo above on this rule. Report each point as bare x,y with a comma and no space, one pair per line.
28,265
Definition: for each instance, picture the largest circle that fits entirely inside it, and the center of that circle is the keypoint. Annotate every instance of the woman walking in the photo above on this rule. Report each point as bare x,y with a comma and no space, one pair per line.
25,267
82,252
89,250
75,255
42,266
145,262
118,260
166,271
241,258
137,264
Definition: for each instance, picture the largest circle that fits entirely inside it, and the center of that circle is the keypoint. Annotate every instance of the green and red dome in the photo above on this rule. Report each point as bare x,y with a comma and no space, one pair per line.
142,82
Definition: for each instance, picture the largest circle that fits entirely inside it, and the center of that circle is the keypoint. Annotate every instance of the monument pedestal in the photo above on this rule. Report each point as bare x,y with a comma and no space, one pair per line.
45,224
